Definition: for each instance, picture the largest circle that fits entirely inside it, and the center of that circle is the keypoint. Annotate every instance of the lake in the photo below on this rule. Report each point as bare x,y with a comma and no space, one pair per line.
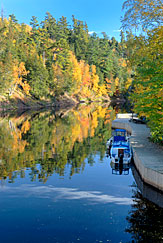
57,184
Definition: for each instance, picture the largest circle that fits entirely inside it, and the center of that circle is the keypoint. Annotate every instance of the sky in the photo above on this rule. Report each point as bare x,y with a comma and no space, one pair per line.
100,15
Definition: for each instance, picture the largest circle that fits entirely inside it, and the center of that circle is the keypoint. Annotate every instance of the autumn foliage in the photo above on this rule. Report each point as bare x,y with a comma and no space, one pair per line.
52,142
146,58
46,60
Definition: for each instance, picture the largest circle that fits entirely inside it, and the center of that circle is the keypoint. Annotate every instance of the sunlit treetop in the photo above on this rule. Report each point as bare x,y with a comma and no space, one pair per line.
142,14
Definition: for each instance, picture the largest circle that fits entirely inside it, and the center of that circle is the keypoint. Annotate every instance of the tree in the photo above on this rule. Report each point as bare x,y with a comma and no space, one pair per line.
79,38
37,77
50,25
19,74
62,29
146,58
44,50
142,14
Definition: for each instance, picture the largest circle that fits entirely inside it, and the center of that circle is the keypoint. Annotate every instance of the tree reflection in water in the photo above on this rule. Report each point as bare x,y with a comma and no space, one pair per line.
45,143
145,220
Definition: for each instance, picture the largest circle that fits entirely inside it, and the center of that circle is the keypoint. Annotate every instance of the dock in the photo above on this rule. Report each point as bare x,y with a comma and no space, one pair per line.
148,157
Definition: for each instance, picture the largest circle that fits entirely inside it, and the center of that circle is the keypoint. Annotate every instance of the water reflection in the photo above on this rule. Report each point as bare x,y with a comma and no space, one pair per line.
56,194
120,169
147,191
91,207
52,141
145,220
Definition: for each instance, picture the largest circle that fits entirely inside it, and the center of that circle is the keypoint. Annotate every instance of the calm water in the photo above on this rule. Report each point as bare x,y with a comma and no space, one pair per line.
57,184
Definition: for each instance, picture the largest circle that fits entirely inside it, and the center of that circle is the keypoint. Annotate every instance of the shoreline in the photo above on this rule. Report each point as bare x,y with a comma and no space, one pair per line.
148,157
62,102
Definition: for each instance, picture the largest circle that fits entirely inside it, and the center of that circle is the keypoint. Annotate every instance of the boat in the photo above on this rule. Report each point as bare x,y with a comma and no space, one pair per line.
119,148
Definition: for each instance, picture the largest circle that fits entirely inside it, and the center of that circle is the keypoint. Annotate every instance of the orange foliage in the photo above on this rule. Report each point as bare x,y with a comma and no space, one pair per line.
86,79
117,82
76,70
19,71
94,79
128,83
25,127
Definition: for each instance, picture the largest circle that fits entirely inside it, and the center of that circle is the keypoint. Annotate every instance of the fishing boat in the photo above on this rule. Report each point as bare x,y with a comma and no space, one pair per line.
119,148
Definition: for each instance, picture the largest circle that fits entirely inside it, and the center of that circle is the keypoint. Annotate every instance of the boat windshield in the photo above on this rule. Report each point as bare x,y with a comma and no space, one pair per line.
120,132
119,138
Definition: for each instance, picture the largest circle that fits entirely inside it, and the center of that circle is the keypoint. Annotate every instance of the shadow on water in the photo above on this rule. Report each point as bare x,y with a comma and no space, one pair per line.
145,217
145,220
147,191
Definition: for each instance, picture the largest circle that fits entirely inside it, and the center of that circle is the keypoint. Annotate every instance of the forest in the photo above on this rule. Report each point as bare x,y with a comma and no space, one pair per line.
43,61
47,59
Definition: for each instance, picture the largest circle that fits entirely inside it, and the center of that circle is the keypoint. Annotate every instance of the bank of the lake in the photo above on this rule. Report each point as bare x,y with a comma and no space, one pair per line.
148,157
21,102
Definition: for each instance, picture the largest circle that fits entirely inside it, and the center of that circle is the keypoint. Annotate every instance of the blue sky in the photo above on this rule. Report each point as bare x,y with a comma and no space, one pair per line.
100,15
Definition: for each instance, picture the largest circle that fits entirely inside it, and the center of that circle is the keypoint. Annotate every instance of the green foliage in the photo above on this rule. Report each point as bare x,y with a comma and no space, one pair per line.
146,57
142,14
46,143
37,77
45,49
79,39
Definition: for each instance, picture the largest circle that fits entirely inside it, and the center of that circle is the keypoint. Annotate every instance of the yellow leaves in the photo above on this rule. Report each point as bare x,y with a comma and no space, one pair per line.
128,83
93,67
54,56
117,82
19,72
18,145
108,83
5,33
33,53
85,121
26,87
76,70
28,28
102,90
85,73
58,145
122,62
94,79
25,127
85,81
5,21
